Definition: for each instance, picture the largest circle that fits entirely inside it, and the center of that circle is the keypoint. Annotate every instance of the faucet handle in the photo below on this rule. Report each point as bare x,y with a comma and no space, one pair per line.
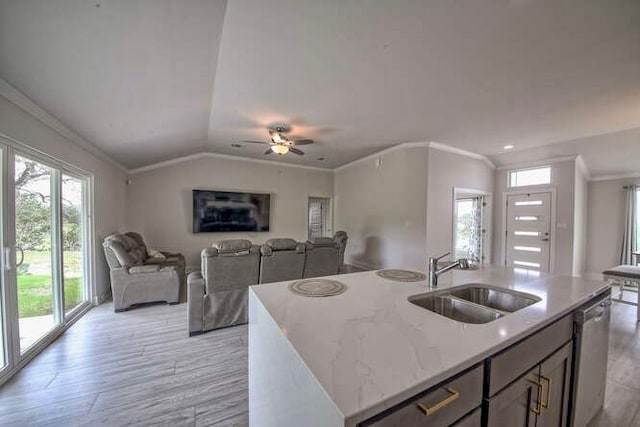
442,256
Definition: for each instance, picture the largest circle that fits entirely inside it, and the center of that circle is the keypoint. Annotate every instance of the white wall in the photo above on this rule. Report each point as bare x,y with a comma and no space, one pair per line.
605,223
109,180
446,171
382,207
580,219
563,180
159,201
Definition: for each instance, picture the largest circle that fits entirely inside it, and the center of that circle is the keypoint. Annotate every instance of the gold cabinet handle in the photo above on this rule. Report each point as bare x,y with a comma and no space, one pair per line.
538,409
548,380
428,410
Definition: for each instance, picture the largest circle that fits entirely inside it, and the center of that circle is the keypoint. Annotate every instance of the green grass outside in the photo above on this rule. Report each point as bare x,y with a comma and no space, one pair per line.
34,290
35,298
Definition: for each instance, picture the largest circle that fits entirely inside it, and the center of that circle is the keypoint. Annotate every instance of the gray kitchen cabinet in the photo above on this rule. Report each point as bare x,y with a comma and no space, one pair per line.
538,398
555,374
440,406
516,405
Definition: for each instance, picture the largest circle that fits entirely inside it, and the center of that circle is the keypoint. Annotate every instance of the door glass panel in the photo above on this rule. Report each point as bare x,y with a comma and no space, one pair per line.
3,342
72,243
34,213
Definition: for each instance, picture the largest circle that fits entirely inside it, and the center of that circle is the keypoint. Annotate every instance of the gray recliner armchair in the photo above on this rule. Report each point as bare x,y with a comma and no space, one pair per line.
282,259
138,278
322,257
218,295
340,237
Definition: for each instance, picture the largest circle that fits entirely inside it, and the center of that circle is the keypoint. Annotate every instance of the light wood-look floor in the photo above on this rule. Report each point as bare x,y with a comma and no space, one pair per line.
139,368
133,368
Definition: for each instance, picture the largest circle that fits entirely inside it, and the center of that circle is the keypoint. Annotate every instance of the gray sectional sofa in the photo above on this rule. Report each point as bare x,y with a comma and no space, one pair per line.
218,294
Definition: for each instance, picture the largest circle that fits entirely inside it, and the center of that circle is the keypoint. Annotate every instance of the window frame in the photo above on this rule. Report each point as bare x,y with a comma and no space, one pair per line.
515,171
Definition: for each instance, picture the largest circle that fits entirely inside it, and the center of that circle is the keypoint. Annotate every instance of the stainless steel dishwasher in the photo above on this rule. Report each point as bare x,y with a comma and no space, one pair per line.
590,362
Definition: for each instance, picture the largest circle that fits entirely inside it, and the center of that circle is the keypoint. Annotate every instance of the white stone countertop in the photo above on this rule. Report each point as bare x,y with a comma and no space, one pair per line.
369,348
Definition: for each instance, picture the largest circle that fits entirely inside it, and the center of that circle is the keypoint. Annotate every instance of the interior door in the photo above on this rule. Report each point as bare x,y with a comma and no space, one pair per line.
528,240
319,217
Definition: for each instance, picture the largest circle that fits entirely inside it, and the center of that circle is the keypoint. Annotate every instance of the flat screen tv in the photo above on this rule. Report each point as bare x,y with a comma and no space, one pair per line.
223,211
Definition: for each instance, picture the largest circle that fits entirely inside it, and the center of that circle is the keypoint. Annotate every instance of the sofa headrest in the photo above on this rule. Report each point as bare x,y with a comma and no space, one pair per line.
127,242
234,245
321,242
282,244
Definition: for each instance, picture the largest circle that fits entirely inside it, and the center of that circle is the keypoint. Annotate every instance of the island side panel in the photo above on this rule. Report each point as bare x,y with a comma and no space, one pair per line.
282,391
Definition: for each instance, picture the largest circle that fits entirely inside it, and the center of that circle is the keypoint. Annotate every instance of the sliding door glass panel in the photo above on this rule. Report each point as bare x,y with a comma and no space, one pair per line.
3,284
34,257
72,243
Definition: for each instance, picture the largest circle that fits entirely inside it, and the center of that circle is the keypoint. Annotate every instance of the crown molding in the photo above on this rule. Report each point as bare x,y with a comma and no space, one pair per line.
615,176
461,152
17,98
206,154
382,153
537,163
434,145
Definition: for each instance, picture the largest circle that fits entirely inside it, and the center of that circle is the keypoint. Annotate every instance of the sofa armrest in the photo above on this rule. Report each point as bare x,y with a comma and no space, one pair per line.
144,269
195,302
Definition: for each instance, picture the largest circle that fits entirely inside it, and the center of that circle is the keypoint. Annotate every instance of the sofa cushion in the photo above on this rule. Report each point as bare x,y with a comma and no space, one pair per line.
281,244
234,245
322,242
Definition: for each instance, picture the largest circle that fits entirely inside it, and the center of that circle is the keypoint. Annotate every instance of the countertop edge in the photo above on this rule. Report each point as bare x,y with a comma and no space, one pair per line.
352,420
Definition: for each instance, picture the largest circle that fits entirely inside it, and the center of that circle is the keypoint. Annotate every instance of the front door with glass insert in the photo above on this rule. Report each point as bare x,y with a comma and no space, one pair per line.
529,231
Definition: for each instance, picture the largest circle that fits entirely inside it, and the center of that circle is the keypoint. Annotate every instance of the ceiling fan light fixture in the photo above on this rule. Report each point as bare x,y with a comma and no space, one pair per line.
276,137
280,149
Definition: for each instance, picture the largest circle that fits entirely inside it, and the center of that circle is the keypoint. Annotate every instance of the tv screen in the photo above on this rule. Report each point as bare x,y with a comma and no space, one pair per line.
218,211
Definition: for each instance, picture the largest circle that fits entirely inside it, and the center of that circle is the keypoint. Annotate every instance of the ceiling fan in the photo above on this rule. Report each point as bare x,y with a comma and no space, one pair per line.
281,143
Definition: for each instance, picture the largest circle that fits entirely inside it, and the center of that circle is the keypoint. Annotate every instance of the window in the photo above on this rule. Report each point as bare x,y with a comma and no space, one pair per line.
638,223
526,177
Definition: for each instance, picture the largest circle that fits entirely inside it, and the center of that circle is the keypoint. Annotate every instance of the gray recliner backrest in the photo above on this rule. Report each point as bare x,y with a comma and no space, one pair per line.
230,265
322,257
341,240
282,259
122,251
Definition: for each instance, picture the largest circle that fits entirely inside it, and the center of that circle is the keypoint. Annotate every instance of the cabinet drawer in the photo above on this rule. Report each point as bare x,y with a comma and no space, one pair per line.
445,403
511,363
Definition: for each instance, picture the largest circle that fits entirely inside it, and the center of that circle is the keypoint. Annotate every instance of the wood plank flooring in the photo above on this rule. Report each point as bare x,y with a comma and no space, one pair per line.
133,368
140,368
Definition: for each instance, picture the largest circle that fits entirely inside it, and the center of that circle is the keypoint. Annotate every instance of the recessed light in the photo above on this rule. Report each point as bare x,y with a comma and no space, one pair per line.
236,145
508,147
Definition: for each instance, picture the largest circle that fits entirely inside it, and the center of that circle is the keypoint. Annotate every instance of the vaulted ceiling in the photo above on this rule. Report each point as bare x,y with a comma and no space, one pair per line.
151,80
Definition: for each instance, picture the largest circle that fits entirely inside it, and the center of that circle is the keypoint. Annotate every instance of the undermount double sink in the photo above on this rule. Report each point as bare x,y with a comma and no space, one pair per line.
474,303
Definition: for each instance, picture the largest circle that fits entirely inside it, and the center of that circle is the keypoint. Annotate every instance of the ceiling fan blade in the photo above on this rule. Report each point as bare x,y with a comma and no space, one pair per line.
303,141
256,142
269,151
294,150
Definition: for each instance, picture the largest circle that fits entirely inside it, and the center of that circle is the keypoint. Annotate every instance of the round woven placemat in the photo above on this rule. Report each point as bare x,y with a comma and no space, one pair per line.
317,287
401,275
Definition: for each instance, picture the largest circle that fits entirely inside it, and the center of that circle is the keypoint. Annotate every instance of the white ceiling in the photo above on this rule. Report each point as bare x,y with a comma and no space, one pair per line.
150,80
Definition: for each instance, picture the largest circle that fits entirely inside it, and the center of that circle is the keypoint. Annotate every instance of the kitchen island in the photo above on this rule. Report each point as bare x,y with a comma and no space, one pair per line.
345,359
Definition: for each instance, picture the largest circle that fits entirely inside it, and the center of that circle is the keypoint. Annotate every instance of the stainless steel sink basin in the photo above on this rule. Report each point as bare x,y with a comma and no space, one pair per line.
455,308
474,303
496,298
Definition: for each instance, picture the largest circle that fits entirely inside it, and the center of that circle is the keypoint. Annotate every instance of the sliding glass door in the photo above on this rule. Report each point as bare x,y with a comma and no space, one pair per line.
34,234
73,237
45,251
